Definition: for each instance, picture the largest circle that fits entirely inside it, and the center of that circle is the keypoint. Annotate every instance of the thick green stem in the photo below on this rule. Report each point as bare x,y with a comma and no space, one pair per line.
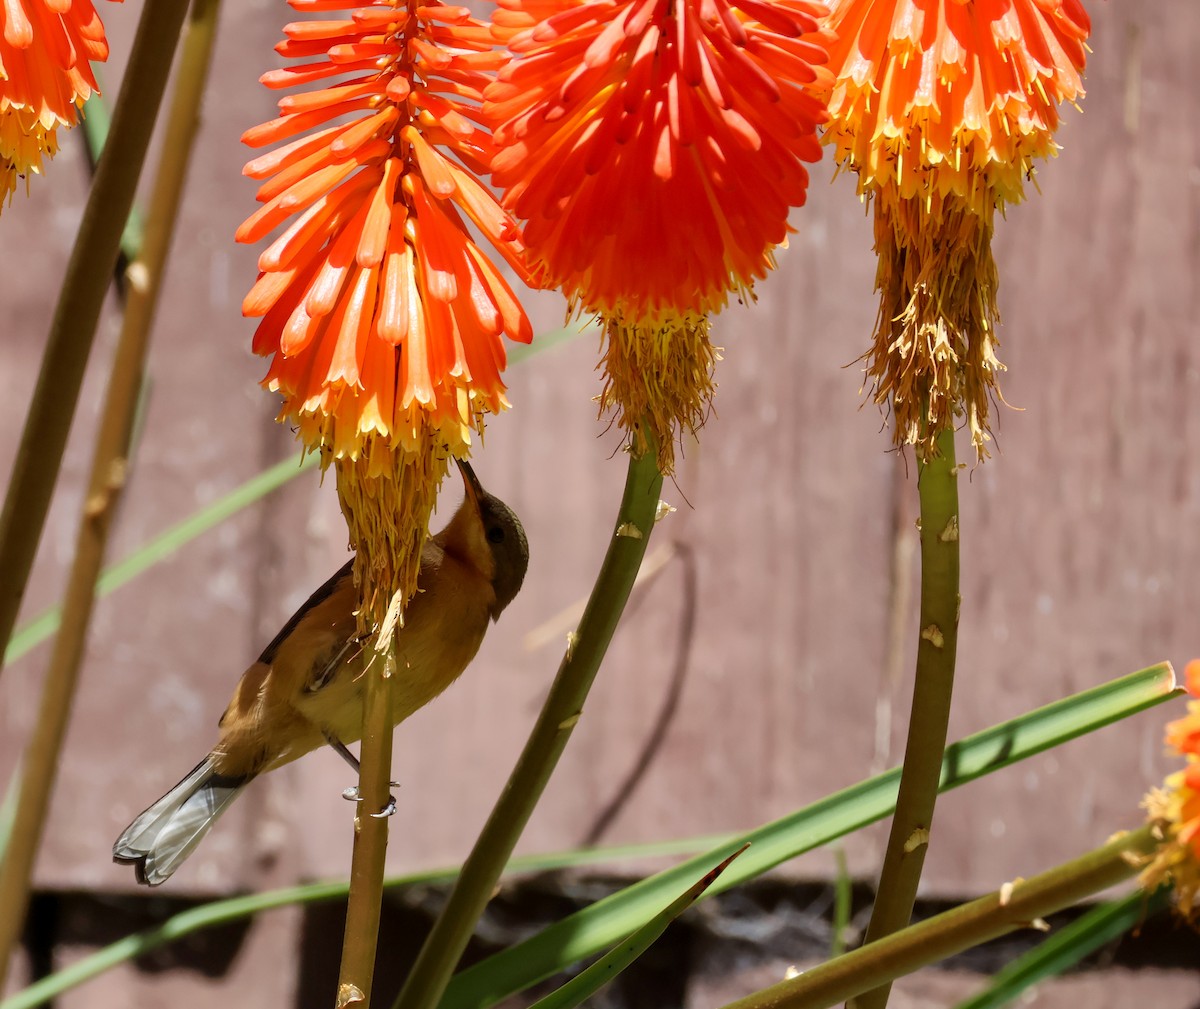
370,835
1021,904
560,713
937,483
158,30
48,422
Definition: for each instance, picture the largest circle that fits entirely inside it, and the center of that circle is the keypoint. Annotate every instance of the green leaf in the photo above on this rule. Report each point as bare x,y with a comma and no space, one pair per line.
843,900
600,925
221,912
113,577
1068,946
41,627
548,341
589,981
96,121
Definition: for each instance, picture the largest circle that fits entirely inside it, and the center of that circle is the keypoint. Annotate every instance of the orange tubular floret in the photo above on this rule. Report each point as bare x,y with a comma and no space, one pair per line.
287,155
291,77
376,306
699,113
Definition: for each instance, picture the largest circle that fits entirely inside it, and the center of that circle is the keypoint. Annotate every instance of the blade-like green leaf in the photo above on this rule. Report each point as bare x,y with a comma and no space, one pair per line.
1067,947
587,982
600,925
977,755
843,899
113,577
46,623
96,120
221,912
548,341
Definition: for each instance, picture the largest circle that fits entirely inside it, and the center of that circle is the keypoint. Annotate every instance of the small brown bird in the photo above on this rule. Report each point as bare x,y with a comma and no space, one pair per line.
306,689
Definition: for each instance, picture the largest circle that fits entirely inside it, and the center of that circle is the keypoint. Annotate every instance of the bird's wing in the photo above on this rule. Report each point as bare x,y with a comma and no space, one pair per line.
326,669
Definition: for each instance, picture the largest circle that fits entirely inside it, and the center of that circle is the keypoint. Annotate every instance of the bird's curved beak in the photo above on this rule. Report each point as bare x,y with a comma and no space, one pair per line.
471,483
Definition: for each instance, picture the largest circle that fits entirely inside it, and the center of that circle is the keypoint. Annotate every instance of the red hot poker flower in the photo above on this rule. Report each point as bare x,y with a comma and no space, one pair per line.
1175,809
940,108
46,50
654,149
381,314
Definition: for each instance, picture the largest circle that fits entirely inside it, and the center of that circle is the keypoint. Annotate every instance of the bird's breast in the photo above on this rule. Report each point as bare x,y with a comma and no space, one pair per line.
443,629
314,685
444,625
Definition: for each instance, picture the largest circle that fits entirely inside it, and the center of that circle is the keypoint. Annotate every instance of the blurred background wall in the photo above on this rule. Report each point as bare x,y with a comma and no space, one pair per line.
767,661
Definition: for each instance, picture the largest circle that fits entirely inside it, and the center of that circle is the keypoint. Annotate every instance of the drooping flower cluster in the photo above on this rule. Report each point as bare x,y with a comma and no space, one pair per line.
46,50
381,314
1176,809
654,149
940,108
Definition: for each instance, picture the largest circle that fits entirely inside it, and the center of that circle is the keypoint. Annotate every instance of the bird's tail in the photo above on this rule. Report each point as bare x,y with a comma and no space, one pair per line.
158,841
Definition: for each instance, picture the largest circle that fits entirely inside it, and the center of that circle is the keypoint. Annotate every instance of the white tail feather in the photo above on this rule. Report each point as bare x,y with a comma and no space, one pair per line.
158,841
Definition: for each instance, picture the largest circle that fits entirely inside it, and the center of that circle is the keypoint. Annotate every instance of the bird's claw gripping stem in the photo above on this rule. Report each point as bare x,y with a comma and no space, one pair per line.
387,810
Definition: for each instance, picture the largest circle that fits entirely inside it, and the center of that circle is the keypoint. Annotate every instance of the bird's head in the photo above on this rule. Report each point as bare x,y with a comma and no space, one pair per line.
489,536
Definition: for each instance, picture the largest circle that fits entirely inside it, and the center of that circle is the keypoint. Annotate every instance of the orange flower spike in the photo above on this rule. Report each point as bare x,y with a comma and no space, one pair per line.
1175,809
654,150
940,108
1183,734
1191,677
46,51
384,330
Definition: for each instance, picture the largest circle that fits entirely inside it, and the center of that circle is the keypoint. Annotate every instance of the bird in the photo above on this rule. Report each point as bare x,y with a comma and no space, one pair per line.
306,688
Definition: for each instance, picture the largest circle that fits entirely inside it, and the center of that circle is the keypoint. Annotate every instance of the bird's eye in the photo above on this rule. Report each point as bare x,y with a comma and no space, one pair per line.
495,535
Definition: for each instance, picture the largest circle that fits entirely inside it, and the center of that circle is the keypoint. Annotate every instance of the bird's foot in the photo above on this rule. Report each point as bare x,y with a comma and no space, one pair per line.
351,794
387,810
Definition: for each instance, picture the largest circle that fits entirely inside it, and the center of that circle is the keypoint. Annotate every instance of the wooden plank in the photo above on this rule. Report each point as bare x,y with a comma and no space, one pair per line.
1080,536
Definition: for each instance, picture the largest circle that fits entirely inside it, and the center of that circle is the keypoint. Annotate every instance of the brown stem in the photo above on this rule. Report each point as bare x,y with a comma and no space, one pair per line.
370,836
48,422
110,457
